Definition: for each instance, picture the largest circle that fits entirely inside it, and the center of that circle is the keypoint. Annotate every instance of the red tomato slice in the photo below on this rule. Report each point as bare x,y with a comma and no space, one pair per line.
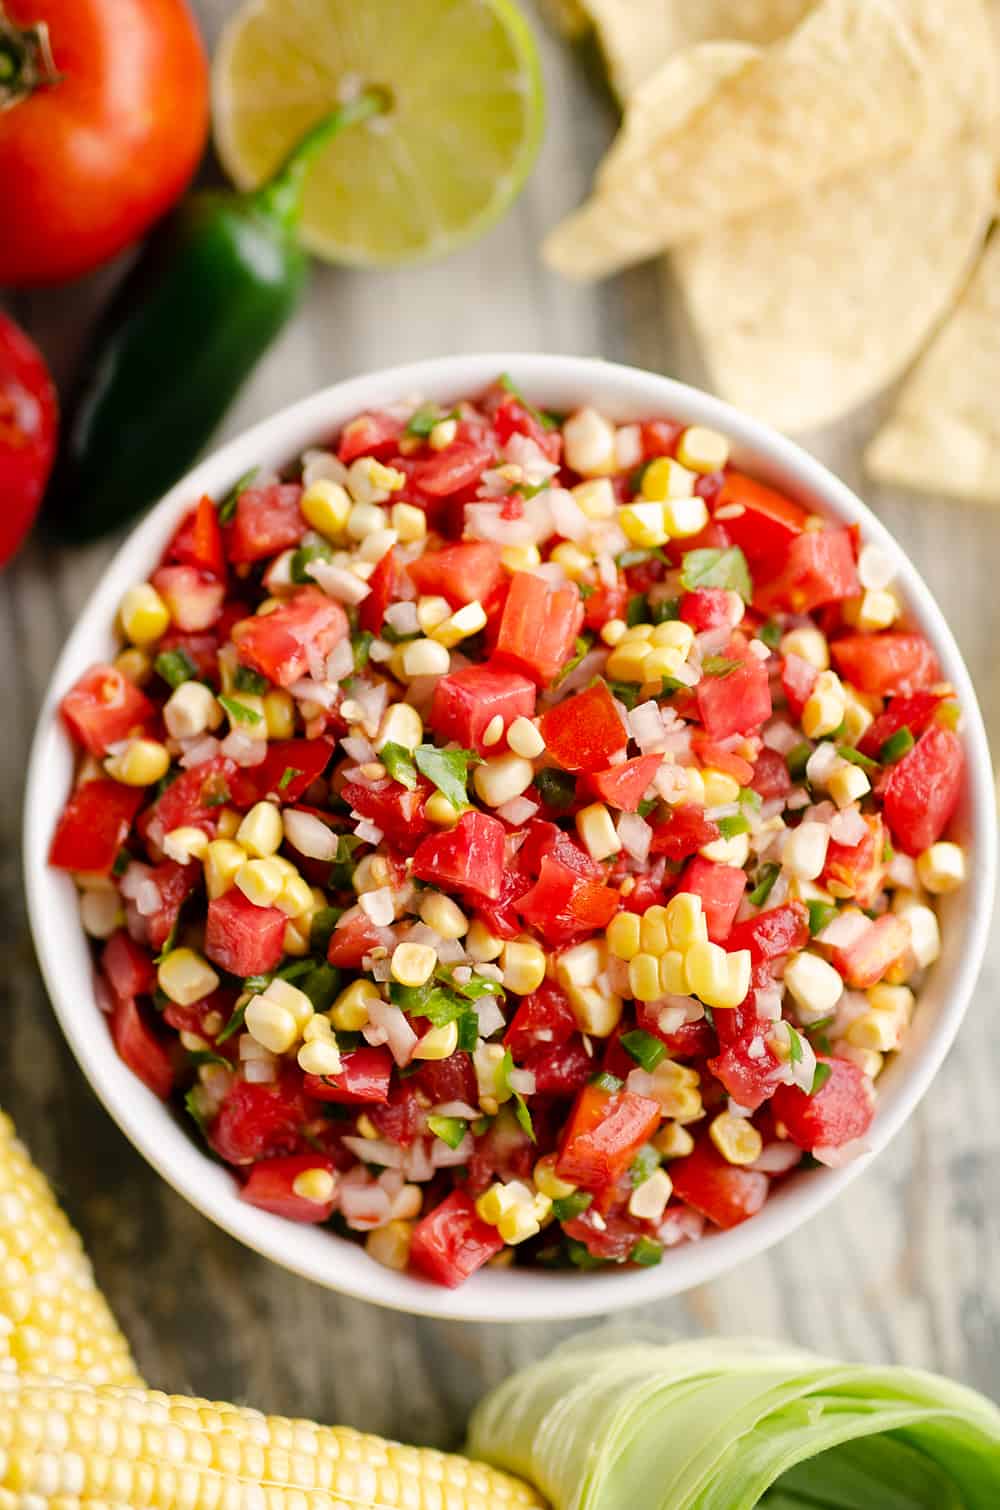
818,567
127,967
242,938
893,661
683,833
353,937
740,701
771,777
705,608
721,889
104,707
192,800
468,858
93,826
266,521
922,790
466,702
260,1121
604,1133
285,774
193,597
461,573
175,883
769,522
364,1076
857,869
560,1069
914,713
451,1242
542,1019
451,1079
457,467
382,588
660,437
512,418
716,755
772,934
375,434
724,1193
865,962
623,785
140,1048
271,1187
539,626
585,730
399,813
198,542
747,1068
605,603
278,644
840,1111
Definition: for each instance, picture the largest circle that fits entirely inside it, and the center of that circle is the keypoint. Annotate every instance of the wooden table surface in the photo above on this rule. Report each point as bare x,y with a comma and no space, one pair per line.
902,1268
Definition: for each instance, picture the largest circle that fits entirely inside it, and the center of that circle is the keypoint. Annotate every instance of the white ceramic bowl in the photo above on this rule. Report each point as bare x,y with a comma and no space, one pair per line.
561,383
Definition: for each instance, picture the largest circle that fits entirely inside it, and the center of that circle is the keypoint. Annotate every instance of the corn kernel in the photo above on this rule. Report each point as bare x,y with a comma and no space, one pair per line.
596,499
279,713
223,859
501,778
143,613
520,557
869,1061
674,634
325,506
686,921
366,1127
525,739
349,1013
858,717
185,844
191,709
596,828
662,661
185,977
134,665
614,631
675,1087
653,930
624,935
736,1138
809,645
443,915
390,1245
142,763
877,608
804,852
295,898
638,632
595,1012
625,663
270,1025
673,976
847,784
703,450
439,811
589,444
227,823
925,933
816,986
643,525
581,965
401,725
719,979
316,1185
370,481
499,1199
665,478
695,793
481,944
247,714
432,611
825,706
413,964
261,833
720,788
425,658
409,522
101,912
320,1056
896,999
374,546
734,851
648,1201
877,1031
292,999
523,966
465,621
548,1182
519,1223
438,1043
673,1141
644,977
684,517
576,563
941,868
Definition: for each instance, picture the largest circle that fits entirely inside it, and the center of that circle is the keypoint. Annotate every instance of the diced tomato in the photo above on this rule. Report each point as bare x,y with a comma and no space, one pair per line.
550,895
93,826
382,588
468,858
914,713
604,1133
545,838
561,904
192,800
740,701
593,904
891,662
922,790
376,434
819,567
193,597
610,1235
721,889
127,967
769,523
512,418
104,707
693,1040
798,678
457,467
748,1069
399,813
705,608
451,1079
465,573
711,753
201,649
605,603
683,833
498,913
451,1242
219,1006
278,644
284,775
353,937
584,731
771,776
857,869
271,1186
865,962
140,1048
724,1193
364,1076
260,1120
772,934
542,1019
466,702
266,521
561,1069
175,883
624,785
242,938
659,437
539,626
839,1112
198,542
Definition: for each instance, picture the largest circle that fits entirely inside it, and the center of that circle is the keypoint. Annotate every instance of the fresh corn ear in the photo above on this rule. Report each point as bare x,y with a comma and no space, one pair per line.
53,1318
69,1446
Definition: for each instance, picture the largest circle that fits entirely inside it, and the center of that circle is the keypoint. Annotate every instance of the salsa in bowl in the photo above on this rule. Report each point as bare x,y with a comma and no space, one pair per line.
510,831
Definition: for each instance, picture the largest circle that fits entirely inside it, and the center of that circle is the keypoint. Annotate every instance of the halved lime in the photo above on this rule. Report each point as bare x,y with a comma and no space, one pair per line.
448,157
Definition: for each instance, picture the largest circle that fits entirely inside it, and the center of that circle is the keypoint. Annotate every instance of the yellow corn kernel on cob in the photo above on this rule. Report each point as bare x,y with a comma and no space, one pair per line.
69,1446
53,1318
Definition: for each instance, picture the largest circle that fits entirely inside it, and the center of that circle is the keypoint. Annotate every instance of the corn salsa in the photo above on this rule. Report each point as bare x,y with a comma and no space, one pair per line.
513,837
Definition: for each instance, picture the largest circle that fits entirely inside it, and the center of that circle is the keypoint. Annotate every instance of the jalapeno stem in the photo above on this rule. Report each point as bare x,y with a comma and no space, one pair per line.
281,196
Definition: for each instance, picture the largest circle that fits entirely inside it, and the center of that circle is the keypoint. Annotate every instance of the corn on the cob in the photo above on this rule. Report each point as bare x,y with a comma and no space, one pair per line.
69,1446
53,1318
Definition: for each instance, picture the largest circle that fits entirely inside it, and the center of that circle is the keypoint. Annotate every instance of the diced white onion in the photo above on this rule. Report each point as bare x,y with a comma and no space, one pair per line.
778,1158
312,691
337,582
133,879
318,466
522,1081
149,899
443,1157
822,763
357,748
365,1207
848,827
490,1017
845,930
260,1071
402,617
374,1151
781,736
484,521
636,836
340,662
517,811
368,831
244,749
567,516
582,675
455,1109
400,1037
527,454
205,747
640,1082
646,727
836,1158
417,1165
310,835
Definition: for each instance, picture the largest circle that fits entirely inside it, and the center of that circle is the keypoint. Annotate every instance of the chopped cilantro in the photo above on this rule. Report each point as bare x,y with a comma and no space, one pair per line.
248,680
719,665
644,1048
625,692
450,1130
321,984
361,644
795,1050
448,770
766,877
198,1057
191,1106
234,1024
227,508
557,789
580,648
636,476
896,746
581,1257
647,1253
714,567
568,1207
473,988
239,712
320,928
169,941
855,757
820,913
422,420
730,827
822,1075
770,633
175,666
342,868
288,775
522,1116
399,763
797,760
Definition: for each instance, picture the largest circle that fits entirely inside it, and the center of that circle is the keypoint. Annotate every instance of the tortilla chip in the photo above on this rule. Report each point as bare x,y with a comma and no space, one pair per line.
638,36
944,433
809,308
856,82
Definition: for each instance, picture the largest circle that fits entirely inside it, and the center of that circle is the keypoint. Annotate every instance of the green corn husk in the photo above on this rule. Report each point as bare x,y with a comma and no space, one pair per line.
730,1425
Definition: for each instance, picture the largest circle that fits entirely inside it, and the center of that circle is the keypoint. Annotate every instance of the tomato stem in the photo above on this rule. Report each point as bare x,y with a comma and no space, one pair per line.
281,196
26,61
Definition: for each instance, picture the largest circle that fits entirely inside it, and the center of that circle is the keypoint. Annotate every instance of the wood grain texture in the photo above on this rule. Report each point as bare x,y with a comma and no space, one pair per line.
902,1268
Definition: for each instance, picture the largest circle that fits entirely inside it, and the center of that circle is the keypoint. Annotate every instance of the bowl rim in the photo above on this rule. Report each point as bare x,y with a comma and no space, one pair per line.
315,1253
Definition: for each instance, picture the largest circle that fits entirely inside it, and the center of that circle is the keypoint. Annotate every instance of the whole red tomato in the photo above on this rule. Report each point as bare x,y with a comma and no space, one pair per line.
103,118
28,422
